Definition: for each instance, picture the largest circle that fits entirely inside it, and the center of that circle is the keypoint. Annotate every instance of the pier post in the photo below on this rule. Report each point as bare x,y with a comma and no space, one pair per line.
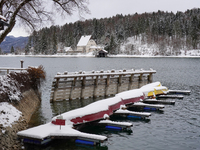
150,77
83,87
95,86
140,77
119,83
130,81
55,89
72,88
21,63
107,85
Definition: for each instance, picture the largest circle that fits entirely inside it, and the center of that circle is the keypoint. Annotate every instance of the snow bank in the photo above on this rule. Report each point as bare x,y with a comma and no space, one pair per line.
8,114
11,87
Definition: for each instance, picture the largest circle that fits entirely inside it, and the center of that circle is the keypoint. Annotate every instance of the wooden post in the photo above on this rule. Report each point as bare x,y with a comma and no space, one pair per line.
119,83
107,85
83,87
72,88
21,63
95,87
55,89
140,77
150,77
130,81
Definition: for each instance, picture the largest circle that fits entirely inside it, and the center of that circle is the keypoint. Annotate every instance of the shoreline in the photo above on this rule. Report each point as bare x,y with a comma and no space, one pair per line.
27,106
92,56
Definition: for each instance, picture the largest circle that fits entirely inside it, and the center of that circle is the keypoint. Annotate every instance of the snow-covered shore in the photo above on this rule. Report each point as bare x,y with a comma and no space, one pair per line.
15,117
9,114
184,54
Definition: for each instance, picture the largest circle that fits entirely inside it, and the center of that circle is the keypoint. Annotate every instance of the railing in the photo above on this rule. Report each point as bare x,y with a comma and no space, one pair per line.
74,85
8,70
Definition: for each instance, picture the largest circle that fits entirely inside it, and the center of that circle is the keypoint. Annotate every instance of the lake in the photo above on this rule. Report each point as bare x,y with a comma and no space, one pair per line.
176,127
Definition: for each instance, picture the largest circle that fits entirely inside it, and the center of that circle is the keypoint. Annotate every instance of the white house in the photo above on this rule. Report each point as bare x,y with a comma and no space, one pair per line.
86,45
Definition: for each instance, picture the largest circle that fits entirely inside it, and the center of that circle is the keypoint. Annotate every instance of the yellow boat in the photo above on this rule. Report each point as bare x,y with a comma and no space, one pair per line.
153,89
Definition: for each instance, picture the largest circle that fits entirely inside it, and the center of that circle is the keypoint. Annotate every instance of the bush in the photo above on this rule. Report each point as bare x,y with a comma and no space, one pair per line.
37,75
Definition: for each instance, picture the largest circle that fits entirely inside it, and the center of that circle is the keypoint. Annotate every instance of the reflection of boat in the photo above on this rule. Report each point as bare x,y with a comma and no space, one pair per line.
153,89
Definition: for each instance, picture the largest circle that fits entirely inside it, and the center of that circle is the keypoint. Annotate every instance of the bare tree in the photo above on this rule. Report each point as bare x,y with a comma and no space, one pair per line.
33,13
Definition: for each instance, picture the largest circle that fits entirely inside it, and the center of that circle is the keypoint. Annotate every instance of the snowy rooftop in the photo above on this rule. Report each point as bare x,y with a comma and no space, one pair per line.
84,40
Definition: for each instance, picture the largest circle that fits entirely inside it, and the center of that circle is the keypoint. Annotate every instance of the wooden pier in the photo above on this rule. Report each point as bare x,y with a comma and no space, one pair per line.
81,85
7,70
4,70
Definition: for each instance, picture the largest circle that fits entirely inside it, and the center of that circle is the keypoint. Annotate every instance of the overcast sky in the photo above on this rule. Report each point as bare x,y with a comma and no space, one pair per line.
109,8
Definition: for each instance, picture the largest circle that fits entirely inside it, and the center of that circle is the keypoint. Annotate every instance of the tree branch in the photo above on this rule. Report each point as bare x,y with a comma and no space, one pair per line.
33,12
12,20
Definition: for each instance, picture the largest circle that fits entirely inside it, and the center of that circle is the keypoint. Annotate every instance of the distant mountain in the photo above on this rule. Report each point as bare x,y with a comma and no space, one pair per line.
10,41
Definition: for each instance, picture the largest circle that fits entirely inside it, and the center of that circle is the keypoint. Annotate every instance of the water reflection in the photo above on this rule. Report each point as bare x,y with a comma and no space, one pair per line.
60,107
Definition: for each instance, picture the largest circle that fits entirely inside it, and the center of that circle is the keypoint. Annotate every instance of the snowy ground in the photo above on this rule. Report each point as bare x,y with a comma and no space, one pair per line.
10,87
8,114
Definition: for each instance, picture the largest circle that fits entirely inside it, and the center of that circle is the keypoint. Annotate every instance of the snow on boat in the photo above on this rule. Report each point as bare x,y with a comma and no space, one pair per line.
132,113
146,106
186,92
153,89
49,130
97,110
170,96
155,101
113,124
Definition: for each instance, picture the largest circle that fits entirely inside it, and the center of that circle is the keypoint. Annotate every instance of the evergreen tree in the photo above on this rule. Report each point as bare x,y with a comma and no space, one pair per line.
195,30
12,50
54,42
112,46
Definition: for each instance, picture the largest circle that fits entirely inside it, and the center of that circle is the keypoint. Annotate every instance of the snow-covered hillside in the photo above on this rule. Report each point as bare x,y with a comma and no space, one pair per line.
135,47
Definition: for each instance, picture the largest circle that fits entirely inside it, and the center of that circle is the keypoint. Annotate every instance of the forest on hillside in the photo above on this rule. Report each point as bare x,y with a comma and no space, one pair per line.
178,31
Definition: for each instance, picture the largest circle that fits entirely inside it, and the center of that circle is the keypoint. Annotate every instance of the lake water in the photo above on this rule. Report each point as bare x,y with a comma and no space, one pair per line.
177,127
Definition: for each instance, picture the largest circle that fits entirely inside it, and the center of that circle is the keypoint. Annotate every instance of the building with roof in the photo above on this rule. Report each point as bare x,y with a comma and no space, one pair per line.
86,44
102,53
